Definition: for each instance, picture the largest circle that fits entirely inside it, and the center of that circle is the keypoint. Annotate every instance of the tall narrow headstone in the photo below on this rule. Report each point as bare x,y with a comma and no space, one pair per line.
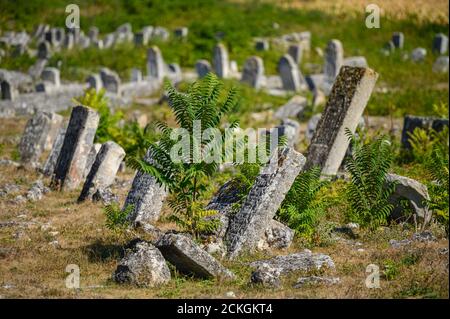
39,134
291,78
202,67
398,39
104,170
146,197
440,43
345,105
155,63
263,200
253,72
221,63
334,58
69,169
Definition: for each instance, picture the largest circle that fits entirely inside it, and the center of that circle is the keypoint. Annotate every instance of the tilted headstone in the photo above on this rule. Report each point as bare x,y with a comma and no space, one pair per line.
110,80
146,196
262,45
39,134
78,140
295,51
202,67
263,200
410,123
221,63
50,163
94,81
346,103
51,75
8,90
293,108
104,169
291,78
253,72
398,39
334,58
91,158
440,43
44,51
155,63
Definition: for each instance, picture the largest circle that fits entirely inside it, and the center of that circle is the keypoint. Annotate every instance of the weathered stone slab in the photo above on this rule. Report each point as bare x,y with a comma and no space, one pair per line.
136,75
296,52
110,81
358,61
410,123
91,158
253,72
143,265
346,103
202,67
415,192
263,200
146,196
440,43
50,163
71,163
441,64
291,78
104,169
155,63
189,258
221,63
293,108
8,90
334,58
277,235
39,134
94,81
398,39
51,75
418,54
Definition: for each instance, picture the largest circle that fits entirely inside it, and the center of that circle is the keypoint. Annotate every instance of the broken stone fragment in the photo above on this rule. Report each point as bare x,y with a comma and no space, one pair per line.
143,265
267,276
190,259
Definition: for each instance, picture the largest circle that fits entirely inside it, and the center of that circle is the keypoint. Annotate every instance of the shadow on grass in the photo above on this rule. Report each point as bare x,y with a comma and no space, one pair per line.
100,251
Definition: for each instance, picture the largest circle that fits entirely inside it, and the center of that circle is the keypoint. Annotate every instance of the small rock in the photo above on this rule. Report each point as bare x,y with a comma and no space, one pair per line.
315,280
267,276
19,199
399,243
37,191
55,244
230,294
423,237
106,196
418,54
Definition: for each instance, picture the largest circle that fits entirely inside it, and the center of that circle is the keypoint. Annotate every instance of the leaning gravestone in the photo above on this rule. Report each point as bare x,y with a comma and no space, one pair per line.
334,58
40,132
263,200
220,61
202,67
146,197
440,43
104,170
91,158
410,123
291,78
253,72
155,63
110,80
346,103
69,169
398,39
50,163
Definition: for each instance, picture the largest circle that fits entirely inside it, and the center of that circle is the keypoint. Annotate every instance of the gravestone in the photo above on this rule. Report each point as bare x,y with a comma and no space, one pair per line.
39,134
51,75
291,78
398,39
358,61
291,130
410,123
293,108
262,45
8,90
103,171
94,81
202,67
71,163
110,80
155,63
440,43
141,38
253,72
146,196
181,32
346,103
334,58
295,51
220,61
263,200
441,64
91,158
36,69
44,51
418,54
50,163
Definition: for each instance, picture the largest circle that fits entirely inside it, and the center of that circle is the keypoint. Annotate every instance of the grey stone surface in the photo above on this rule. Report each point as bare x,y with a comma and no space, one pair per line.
8,90
37,191
106,196
155,63
202,67
189,258
50,163
36,69
221,62
296,52
143,265
146,196
440,43
263,200
345,106
78,140
293,108
410,123
267,276
334,58
253,72
104,169
398,39
91,157
415,192
277,235
358,61
136,75
418,54
94,81
262,45
441,64
51,75
316,280
110,81
39,134
291,78
181,32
